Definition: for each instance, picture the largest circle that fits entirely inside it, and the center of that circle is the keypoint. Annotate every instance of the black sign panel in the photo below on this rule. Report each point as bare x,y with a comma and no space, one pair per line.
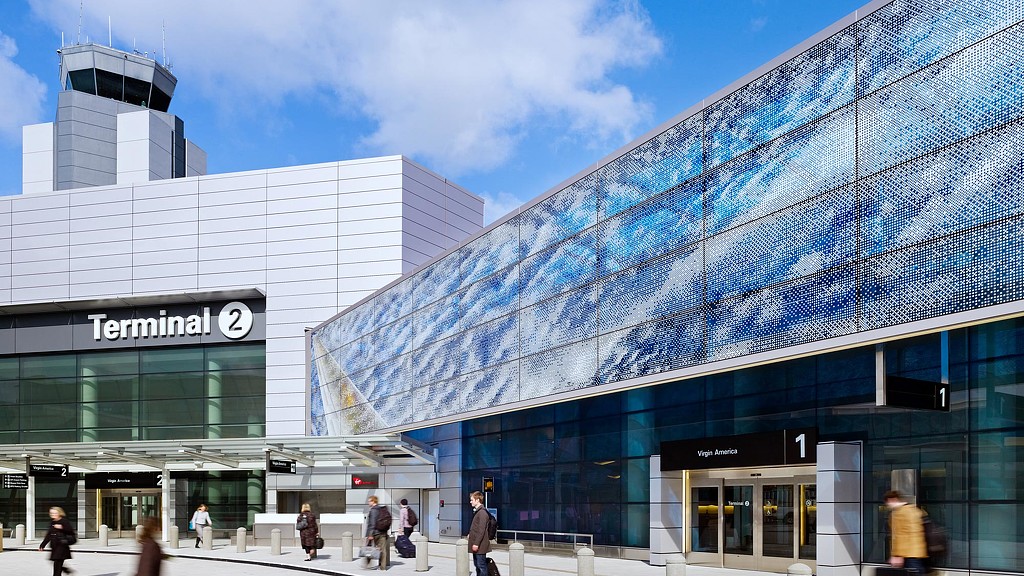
48,470
488,484
365,480
118,480
781,448
280,465
903,392
15,481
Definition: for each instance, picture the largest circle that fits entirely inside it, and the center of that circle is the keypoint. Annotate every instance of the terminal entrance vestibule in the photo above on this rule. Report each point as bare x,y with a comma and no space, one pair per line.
755,519
122,511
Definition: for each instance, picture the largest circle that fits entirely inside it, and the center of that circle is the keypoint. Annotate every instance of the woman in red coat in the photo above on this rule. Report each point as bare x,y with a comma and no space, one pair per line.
306,525
59,536
152,556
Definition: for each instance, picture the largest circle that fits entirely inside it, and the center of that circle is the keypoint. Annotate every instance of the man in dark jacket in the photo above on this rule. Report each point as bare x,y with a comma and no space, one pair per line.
378,538
479,540
59,536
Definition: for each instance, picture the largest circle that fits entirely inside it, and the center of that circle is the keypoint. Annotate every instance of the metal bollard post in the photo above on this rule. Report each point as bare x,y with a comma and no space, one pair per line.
462,557
422,554
19,534
516,559
346,547
799,569
1,537
275,542
173,540
207,538
585,562
240,540
138,532
675,565
104,535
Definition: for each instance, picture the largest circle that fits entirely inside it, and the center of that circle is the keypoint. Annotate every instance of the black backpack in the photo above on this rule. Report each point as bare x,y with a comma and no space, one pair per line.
383,523
935,537
411,517
492,526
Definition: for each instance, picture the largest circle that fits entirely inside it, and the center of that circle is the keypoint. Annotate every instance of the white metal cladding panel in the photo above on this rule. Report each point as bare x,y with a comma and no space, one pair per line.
254,278
289,385
40,205
39,241
228,197
110,222
388,224
232,224
55,282
233,183
358,213
100,289
416,233
37,137
289,428
37,187
311,231
285,275
113,273
301,175
233,237
169,270
300,218
113,242
177,188
88,263
300,203
379,268
424,190
281,261
165,244
169,216
185,203
371,240
39,167
305,316
239,264
132,161
100,210
190,229
56,288
295,301
300,192
105,195
369,254
286,406
281,337
41,254
359,169
231,211
182,255
317,286
238,251
37,267
163,285
418,203
371,198
346,299
303,245
371,184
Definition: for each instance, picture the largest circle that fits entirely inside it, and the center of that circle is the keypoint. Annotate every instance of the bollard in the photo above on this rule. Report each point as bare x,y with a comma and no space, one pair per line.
346,547
207,538
240,540
462,557
1,537
173,540
585,562
275,542
422,555
516,559
675,565
138,532
799,569
104,535
19,534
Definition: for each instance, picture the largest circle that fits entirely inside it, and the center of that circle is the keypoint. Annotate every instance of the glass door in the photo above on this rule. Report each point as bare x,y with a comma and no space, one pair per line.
741,525
705,521
122,512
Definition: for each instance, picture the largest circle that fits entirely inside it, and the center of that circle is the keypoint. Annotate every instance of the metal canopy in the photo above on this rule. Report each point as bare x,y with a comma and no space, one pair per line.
369,450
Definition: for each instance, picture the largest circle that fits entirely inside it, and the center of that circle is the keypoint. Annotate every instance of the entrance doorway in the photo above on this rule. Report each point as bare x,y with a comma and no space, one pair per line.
122,511
752,519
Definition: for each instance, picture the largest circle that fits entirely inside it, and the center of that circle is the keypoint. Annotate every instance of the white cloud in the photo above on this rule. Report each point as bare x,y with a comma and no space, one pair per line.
21,94
455,83
499,204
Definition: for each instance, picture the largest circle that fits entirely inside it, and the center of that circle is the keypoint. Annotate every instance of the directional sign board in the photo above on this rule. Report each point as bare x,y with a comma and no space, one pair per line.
48,470
280,465
15,481
903,392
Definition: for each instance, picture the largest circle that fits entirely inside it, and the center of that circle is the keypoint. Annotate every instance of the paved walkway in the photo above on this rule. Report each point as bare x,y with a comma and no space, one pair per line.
119,559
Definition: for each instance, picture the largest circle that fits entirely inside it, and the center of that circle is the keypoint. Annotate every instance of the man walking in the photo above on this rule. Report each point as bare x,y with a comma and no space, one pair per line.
479,539
378,525
907,526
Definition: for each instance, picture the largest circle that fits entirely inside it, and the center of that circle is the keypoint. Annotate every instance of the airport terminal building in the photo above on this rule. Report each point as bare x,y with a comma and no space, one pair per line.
153,316
729,338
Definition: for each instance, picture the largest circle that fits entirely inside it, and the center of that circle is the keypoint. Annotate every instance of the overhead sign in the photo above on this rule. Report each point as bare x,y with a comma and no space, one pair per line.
780,448
15,481
280,465
48,470
903,392
365,480
235,321
123,480
488,484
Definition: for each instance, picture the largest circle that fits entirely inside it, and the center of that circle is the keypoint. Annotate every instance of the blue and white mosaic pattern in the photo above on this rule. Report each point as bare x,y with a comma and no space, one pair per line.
872,180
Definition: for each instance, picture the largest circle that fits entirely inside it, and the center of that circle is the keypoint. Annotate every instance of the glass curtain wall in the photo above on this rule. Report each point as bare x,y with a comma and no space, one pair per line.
134,394
582,466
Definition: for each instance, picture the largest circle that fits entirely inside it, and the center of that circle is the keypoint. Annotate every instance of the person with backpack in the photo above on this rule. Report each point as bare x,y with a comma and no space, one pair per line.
906,524
378,525
407,518
480,533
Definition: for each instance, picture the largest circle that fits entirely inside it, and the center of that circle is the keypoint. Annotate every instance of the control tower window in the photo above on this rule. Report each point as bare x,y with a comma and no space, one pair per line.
136,92
161,101
109,85
83,80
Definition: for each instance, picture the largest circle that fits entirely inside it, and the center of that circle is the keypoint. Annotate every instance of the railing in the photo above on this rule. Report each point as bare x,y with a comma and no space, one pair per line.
546,538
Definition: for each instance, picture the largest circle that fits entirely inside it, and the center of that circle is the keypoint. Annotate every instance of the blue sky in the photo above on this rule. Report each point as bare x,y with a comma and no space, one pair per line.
505,98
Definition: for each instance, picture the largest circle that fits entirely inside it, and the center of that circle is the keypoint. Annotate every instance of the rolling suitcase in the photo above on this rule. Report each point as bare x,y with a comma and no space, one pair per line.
405,547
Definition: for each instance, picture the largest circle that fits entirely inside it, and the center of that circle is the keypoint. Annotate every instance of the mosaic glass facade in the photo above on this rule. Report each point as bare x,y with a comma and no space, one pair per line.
869,181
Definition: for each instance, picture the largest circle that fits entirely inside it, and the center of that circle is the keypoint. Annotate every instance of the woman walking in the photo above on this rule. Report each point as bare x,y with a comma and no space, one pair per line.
60,536
306,525
152,556
200,519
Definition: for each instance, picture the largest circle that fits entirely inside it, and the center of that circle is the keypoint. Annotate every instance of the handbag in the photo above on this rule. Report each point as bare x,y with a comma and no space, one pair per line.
319,543
191,525
369,552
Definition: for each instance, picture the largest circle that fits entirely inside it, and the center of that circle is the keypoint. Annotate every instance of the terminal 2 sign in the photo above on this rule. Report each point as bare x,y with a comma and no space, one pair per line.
234,321
779,448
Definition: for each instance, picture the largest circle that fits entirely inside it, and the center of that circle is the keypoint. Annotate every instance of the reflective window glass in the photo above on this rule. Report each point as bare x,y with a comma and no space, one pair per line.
49,391
180,412
9,368
107,363
237,383
243,410
236,356
173,385
53,366
172,360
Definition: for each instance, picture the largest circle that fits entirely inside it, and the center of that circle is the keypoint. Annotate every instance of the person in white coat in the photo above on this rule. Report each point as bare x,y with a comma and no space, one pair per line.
200,519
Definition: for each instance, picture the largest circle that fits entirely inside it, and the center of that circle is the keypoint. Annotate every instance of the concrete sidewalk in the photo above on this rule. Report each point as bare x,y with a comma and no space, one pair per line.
120,555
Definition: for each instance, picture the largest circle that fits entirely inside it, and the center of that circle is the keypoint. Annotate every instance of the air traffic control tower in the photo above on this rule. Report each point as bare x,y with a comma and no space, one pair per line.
112,125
